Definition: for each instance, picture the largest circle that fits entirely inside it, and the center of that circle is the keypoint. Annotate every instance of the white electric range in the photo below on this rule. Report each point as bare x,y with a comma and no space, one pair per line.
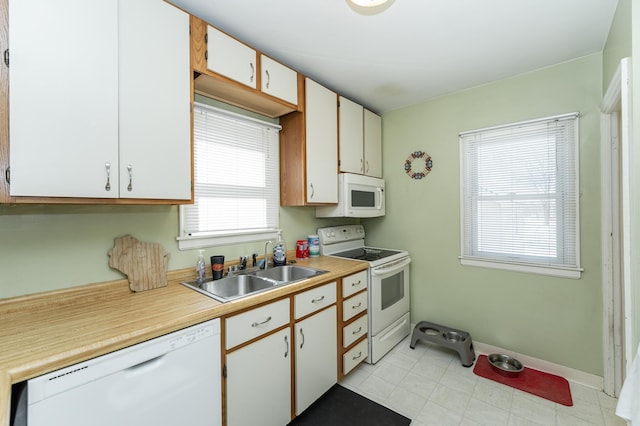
387,285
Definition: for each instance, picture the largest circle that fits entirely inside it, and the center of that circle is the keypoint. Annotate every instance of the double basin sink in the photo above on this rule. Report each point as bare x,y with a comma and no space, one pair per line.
246,283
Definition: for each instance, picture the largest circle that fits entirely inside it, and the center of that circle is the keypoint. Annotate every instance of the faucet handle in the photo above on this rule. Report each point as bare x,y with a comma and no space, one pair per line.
243,262
253,259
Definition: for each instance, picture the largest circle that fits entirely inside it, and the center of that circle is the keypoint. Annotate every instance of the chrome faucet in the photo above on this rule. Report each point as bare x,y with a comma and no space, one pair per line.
266,259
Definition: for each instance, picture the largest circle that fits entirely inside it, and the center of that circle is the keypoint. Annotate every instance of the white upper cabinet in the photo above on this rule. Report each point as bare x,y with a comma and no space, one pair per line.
351,136
360,139
91,117
154,102
372,144
278,80
63,103
321,144
231,58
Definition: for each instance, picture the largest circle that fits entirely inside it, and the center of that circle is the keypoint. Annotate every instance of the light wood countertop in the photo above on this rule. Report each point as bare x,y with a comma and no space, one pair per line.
47,331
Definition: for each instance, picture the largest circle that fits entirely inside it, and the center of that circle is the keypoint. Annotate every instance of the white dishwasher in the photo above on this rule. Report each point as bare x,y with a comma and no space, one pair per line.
171,380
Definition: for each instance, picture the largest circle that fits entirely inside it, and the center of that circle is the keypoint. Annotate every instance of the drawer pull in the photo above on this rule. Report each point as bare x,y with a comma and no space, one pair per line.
319,299
357,356
257,324
356,306
357,331
355,284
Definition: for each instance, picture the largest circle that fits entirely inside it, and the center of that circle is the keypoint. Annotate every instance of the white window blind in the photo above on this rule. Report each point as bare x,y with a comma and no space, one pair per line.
519,197
236,179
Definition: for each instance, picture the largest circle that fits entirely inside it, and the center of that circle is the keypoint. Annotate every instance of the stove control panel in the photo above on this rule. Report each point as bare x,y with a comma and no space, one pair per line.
336,234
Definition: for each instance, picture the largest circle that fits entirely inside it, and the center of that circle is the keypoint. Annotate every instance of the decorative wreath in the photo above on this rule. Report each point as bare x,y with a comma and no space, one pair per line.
428,163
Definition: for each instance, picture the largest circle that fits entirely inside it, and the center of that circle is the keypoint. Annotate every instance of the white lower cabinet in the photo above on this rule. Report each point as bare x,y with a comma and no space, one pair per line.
259,382
316,362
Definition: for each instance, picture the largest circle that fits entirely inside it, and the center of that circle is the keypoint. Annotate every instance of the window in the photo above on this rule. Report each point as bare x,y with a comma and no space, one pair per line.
519,197
236,192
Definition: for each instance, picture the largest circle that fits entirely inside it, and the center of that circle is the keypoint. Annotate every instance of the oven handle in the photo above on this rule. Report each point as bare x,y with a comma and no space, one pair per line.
392,267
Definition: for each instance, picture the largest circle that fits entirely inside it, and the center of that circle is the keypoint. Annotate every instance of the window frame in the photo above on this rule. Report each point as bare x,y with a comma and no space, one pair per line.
187,241
471,256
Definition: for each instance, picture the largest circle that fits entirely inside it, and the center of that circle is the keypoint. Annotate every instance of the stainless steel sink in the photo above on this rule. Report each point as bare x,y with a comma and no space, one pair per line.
247,283
289,273
234,287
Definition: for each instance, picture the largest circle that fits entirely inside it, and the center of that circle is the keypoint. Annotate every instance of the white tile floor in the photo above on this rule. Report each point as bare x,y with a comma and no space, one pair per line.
430,386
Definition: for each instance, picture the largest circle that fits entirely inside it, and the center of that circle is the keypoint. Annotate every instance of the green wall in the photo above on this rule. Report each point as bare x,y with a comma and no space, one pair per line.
558,320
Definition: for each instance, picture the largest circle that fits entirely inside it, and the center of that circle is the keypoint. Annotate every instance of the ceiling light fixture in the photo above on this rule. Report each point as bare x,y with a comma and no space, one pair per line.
369,7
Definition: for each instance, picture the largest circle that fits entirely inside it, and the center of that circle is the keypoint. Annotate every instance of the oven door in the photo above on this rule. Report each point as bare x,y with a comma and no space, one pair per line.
389,292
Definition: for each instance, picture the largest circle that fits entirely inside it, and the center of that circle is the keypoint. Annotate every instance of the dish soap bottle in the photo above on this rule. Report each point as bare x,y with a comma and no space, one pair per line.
279,251
200,268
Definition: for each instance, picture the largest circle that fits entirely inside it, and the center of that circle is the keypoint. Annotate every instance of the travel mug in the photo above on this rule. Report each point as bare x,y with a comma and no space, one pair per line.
217,266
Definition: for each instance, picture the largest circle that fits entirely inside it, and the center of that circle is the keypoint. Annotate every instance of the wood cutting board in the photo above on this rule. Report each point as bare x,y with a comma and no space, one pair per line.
144,264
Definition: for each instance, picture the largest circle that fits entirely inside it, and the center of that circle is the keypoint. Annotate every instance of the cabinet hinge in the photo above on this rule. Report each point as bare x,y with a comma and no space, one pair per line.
224,371
6,57
7,175
206,38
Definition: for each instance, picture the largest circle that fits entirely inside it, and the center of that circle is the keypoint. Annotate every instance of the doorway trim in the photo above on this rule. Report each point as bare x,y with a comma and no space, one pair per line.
615,130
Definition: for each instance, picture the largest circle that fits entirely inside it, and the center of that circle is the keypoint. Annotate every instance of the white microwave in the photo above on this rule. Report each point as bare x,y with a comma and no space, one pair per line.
358,196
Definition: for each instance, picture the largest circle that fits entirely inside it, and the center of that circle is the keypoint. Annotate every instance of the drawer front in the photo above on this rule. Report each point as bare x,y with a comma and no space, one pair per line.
314,299
353,306
355,356
354,283
354,331
256,322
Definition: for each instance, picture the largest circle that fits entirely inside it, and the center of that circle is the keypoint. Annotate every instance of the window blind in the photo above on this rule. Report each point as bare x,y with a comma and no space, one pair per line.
520,193
236,175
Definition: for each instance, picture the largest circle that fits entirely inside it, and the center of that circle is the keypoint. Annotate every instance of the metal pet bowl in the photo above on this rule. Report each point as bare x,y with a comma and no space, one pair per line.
505,365
454,336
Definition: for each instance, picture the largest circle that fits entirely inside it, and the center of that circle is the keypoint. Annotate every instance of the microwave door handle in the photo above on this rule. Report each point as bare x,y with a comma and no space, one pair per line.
380,195
395,266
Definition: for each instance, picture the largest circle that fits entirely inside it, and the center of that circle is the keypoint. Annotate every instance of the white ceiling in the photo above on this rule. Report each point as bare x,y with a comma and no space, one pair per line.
416,49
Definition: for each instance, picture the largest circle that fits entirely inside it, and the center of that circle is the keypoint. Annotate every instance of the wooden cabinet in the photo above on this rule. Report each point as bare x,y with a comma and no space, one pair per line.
315,344
259,372
258,382
360,139
309,150
232,72
86,119
353,326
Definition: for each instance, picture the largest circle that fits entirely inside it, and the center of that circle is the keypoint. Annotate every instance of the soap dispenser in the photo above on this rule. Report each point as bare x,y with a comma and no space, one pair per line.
279,251
200,268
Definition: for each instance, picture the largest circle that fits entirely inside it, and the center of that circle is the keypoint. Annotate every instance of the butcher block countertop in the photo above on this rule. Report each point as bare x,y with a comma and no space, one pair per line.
47,331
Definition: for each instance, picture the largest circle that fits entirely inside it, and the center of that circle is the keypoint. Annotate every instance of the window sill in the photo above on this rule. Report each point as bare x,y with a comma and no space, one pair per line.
554,271
212,240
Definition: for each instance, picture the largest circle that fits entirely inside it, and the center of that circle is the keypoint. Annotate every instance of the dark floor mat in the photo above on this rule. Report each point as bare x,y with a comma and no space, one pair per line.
341,407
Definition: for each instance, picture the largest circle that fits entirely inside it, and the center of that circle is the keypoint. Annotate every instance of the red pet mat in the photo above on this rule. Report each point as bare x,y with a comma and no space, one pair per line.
545,385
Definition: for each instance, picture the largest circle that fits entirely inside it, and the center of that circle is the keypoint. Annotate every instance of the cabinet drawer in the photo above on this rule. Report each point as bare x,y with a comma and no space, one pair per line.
256,322
354,305
354,283
314,299
355,356
354,331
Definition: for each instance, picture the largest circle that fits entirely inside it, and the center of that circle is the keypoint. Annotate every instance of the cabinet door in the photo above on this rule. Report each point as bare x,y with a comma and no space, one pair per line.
351,136
321,144
63,98
154,101
372,144
316,357
231,58
259,382
278,80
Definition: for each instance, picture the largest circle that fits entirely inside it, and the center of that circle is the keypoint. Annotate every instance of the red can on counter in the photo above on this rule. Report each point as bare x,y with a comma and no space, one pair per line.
302,249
